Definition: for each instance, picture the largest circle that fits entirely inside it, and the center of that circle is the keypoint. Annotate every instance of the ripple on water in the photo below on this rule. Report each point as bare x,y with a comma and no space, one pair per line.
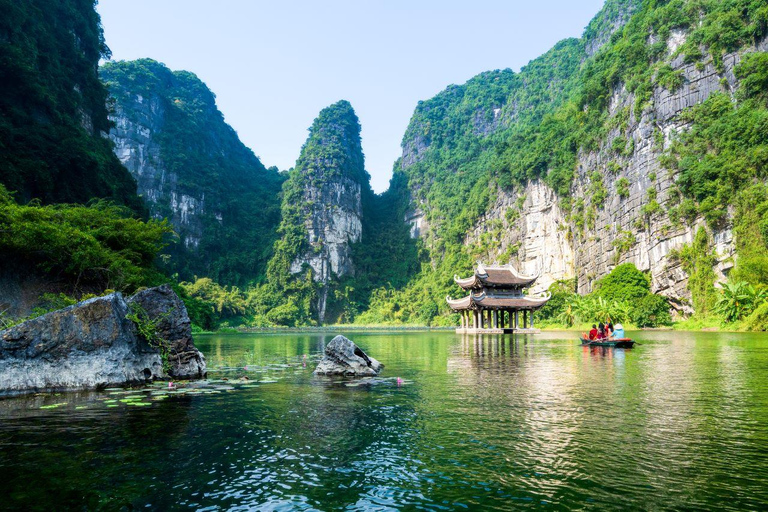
490,423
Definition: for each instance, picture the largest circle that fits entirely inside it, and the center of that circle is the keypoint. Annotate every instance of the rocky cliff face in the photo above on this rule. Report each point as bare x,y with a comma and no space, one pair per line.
138,125
191,168
649,235
323,202
530,230
569,235
334,221
621,231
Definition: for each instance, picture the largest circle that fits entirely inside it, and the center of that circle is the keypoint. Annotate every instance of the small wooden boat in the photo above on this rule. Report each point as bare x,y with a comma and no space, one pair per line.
608,342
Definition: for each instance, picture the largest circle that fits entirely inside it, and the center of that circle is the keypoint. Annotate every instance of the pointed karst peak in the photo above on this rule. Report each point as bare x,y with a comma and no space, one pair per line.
334,145
339,117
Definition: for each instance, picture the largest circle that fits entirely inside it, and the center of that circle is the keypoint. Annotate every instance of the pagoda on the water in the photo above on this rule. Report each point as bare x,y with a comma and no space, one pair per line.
496,300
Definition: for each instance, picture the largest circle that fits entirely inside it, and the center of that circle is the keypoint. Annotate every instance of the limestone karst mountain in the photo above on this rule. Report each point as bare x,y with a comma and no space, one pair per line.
322,212
595,154
191,167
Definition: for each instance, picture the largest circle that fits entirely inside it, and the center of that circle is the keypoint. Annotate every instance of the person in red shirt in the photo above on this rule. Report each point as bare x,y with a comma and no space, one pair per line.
600,331
593,333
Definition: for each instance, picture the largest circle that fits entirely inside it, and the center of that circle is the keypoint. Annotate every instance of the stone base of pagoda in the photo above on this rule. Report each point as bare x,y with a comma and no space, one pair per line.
462,330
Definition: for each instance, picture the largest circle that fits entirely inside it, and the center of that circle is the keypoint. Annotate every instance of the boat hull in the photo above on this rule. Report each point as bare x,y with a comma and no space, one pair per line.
617,343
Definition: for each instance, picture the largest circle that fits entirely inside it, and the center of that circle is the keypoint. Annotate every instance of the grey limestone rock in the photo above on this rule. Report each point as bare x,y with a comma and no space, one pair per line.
173,326
343,357
93,344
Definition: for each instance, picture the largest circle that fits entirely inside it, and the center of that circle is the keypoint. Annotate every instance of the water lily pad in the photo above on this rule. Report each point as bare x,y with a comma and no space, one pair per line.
53,406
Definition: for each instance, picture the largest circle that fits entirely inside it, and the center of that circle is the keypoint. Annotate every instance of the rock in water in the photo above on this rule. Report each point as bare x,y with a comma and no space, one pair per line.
343,357
93,344
174,327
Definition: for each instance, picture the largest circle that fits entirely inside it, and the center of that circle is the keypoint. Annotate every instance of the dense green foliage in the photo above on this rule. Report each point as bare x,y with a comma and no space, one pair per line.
624,283
623,296
758,320
203,157
52,105
738,300
100,245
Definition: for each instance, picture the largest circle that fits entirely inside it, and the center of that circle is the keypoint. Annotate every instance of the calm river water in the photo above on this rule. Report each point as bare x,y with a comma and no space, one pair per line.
679,422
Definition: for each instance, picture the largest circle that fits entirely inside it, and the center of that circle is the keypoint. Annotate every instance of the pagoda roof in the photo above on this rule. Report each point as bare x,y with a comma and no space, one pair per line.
496,276
485,301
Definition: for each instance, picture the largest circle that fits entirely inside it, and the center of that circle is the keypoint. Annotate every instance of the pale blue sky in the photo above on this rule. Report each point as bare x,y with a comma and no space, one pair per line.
274,65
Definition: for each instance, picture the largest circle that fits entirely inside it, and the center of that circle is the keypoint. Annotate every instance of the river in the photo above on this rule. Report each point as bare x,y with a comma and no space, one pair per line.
478,423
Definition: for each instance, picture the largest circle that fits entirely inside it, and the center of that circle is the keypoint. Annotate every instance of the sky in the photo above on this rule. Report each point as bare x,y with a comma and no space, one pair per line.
274,65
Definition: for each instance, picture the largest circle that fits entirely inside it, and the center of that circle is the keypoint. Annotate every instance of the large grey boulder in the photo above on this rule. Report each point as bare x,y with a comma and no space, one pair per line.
174,327
93,344
343,357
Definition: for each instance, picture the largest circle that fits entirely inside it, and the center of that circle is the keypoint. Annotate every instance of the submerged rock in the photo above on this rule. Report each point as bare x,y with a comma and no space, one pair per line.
94,344
343,357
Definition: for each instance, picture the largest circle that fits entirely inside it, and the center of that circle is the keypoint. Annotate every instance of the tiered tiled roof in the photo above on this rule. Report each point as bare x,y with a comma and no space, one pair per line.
483,301
501,277
497,287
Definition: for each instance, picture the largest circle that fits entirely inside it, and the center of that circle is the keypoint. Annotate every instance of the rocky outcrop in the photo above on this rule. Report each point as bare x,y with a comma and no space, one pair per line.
334,221
529,230
140,115
343,357
325,194
173,326
94,344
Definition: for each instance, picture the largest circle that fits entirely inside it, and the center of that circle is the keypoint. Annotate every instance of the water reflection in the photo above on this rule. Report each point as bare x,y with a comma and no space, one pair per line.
490,422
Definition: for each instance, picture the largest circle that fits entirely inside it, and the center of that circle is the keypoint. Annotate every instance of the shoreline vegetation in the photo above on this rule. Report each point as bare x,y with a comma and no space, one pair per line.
688,325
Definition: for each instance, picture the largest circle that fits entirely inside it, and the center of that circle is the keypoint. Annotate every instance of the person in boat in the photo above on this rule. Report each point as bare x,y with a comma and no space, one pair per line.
609,327
601,331
618,332
593,333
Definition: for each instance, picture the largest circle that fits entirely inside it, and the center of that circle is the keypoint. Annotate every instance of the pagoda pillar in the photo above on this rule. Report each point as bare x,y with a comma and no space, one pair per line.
501,318
495,319
516,318
525,318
